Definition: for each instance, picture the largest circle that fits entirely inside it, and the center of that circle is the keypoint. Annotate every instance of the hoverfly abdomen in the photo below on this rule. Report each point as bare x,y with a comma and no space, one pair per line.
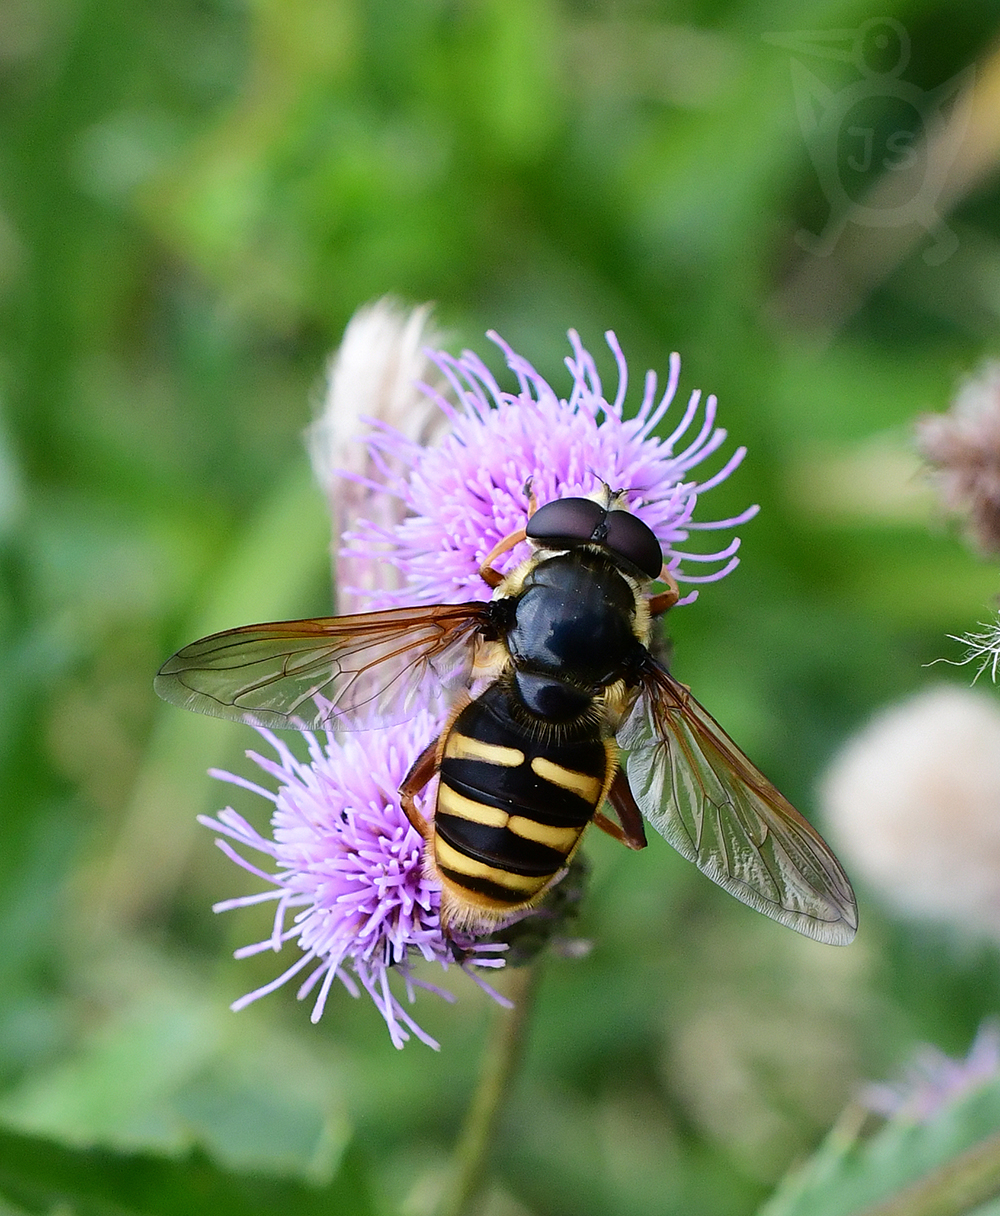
512,802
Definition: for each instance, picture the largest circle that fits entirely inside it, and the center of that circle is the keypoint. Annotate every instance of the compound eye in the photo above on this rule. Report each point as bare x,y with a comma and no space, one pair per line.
566,522
630,538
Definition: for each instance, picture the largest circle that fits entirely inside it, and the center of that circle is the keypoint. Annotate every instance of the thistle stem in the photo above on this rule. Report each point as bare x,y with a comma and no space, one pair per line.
501,1057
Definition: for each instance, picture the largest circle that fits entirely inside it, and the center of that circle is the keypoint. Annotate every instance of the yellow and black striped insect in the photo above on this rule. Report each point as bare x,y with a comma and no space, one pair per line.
546,680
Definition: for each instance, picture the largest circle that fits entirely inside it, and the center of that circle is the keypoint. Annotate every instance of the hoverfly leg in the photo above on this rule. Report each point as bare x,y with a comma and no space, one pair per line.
421,771
491,577
632,832
659,603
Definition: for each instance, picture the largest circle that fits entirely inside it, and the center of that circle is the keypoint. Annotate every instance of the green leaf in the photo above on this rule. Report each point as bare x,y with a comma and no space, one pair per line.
42,1176
846,1175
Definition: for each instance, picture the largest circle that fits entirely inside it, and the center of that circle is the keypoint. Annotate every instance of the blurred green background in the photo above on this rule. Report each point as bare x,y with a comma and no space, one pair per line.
195,195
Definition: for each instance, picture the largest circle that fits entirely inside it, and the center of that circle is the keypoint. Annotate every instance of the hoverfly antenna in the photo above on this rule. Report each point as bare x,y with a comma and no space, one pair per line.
621,497
606,496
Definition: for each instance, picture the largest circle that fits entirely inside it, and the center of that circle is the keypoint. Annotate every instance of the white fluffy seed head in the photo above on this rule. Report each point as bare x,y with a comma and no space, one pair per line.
373,375
912,804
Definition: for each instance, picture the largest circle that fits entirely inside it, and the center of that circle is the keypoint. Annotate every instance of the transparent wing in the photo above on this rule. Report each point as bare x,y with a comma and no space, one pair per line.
334,673
700,792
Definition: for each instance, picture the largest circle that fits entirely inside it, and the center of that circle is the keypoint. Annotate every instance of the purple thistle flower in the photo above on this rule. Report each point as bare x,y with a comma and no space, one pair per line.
469,491
349,882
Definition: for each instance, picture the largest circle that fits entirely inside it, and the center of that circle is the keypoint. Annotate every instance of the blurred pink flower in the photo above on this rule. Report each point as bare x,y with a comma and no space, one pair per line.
933,1080
963,448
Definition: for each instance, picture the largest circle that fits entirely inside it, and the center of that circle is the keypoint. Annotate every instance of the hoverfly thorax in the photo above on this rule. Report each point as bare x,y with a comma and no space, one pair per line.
575,619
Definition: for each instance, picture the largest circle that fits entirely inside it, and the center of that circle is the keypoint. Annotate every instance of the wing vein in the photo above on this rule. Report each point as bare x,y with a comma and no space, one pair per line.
703,795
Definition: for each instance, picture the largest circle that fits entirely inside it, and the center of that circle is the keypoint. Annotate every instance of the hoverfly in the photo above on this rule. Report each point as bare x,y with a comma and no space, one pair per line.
547,679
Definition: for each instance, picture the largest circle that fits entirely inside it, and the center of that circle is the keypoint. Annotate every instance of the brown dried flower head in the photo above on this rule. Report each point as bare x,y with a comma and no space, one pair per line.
963,447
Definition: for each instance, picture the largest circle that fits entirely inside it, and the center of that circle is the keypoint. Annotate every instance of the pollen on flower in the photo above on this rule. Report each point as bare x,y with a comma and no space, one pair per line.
349,884
470,489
